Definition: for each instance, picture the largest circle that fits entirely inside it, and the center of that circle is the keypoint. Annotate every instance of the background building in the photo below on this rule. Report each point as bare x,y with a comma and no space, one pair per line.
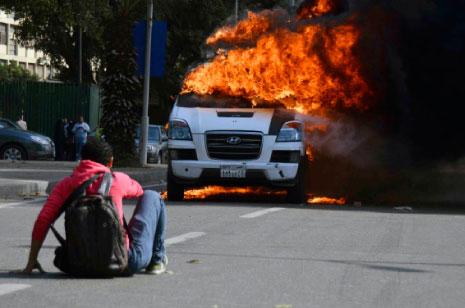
12,52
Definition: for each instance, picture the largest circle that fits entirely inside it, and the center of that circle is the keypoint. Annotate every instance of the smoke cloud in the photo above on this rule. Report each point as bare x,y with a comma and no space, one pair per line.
413,55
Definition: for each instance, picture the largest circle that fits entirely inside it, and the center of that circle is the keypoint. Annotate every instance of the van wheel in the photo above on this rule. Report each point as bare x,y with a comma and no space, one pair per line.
175,190
298,193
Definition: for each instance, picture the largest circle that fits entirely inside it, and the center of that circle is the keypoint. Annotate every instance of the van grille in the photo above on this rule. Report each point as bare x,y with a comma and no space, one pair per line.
234,145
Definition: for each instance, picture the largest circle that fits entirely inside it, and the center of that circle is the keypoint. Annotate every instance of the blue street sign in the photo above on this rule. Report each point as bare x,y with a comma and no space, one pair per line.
157,58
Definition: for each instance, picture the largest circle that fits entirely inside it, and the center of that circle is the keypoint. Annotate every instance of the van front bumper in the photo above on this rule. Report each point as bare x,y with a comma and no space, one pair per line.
209,172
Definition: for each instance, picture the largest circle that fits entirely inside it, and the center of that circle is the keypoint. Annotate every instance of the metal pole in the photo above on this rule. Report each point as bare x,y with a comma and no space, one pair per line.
236,10
80,55
291,6
144,129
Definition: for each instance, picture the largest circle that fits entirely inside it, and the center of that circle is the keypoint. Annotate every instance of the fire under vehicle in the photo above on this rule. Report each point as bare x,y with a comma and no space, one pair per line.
228,141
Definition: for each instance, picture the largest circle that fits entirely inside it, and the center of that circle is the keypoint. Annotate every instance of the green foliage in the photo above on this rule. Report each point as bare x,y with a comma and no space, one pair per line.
121,89
52,26
14,72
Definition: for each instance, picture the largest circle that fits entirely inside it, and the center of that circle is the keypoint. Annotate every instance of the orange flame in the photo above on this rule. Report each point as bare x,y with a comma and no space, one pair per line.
312,67
321,7
245,30
217,191
326,200
214,191
309,153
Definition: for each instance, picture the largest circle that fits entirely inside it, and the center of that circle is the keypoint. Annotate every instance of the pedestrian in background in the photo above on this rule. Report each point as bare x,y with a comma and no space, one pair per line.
80,130
21,123
59,138
69,143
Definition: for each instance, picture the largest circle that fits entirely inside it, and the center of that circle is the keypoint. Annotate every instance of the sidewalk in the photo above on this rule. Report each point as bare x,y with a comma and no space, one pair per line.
22,179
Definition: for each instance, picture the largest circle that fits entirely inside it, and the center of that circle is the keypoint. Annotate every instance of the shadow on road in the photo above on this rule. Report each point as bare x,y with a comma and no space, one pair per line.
8,274
396,266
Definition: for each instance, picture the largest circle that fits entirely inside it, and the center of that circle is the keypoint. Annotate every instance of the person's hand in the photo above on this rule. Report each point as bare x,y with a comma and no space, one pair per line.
29,269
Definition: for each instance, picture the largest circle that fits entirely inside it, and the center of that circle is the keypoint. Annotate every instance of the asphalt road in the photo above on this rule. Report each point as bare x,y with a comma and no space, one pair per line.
261,255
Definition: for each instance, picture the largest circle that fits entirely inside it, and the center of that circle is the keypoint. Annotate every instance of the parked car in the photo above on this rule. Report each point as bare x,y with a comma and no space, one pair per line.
228,141
157,144
19,144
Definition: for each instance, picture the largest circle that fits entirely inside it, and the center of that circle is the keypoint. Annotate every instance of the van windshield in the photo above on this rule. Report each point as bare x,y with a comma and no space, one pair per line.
216,101
209,101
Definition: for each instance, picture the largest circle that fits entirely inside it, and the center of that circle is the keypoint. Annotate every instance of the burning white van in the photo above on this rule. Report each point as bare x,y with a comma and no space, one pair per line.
228,141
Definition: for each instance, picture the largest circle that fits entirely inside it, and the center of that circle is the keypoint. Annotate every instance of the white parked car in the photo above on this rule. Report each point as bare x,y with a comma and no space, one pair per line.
224,141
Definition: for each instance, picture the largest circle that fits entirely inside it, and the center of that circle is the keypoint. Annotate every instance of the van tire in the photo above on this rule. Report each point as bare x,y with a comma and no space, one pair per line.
175,190
298,193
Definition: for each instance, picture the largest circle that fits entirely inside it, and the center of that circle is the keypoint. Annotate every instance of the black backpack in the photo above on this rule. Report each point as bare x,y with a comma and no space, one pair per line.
94,244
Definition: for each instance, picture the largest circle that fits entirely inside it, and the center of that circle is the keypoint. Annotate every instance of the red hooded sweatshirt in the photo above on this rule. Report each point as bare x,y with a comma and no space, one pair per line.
122,187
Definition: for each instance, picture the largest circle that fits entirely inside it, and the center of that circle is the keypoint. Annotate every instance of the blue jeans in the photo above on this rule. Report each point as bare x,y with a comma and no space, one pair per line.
79,144
147,228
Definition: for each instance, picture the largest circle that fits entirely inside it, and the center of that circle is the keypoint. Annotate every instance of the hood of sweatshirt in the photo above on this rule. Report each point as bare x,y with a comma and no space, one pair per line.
85,170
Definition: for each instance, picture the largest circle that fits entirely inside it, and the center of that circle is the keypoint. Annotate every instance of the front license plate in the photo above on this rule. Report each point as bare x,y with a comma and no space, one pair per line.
237,172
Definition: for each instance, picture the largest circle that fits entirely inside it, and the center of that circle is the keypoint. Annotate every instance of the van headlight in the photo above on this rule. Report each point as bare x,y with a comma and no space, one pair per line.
179,130
290,132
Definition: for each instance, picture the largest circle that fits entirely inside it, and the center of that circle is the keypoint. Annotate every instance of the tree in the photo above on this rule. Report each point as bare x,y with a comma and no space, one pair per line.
13,72
121,88
52,26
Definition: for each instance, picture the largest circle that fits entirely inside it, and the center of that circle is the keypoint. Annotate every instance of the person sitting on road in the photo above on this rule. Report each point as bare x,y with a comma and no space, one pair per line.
146,250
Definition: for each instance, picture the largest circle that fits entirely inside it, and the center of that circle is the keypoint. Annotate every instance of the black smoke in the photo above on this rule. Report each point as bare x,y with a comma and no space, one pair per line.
413,55
410,145
433,53
421,47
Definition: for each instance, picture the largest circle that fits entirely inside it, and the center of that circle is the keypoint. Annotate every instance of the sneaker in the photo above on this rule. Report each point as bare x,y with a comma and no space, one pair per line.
157,268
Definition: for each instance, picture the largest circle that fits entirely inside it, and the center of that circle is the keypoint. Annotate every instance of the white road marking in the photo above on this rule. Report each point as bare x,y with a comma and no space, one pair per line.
262,212
183,237
13,204
6,288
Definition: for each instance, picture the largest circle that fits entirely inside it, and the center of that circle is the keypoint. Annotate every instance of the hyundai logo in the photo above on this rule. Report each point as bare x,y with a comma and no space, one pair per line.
233,140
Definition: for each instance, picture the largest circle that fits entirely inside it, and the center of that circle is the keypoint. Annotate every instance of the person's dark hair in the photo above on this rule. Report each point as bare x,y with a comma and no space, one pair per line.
97,151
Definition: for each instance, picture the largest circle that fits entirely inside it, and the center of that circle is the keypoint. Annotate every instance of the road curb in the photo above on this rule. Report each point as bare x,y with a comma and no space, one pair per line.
11,188
144,178
20,186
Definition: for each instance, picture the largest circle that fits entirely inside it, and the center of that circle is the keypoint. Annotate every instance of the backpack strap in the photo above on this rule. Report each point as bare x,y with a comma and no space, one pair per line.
104,190
81,190
105,186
